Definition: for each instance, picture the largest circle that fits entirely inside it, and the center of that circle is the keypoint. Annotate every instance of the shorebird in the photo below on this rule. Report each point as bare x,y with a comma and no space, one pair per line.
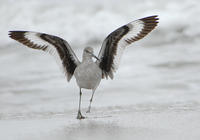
89,73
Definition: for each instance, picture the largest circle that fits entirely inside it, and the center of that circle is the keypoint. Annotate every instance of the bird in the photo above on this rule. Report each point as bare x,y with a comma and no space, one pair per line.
88,72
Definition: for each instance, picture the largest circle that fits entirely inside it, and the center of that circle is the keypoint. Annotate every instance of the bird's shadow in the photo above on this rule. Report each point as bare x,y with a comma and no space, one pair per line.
98,117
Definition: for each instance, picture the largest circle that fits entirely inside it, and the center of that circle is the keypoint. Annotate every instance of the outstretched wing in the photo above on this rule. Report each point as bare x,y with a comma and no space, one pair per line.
52,44
115,43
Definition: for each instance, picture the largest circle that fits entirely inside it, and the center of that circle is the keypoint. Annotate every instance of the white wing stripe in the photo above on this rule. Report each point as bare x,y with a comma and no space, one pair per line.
133,32
56,46
34,38
115,43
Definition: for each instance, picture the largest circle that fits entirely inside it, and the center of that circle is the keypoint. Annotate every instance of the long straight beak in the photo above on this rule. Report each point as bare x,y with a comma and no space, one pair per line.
95,56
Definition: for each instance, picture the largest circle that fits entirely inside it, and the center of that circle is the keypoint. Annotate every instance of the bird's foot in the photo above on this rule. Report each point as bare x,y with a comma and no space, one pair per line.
80,116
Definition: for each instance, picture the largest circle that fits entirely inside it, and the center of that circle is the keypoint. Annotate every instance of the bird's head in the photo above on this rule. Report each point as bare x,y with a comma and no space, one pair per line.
88,51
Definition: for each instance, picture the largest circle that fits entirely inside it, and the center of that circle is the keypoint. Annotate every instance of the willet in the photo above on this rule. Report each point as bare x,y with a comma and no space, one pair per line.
89,73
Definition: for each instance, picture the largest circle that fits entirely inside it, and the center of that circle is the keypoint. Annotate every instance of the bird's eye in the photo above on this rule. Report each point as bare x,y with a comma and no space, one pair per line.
87,51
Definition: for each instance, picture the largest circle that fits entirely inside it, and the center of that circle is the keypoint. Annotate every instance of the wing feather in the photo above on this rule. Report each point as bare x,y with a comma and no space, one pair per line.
54,45
115,43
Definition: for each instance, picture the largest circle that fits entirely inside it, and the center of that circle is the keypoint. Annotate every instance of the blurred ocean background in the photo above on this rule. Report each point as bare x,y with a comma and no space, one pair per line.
155,93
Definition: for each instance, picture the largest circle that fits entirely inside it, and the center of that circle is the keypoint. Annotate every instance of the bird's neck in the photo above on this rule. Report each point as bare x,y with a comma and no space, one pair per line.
87,58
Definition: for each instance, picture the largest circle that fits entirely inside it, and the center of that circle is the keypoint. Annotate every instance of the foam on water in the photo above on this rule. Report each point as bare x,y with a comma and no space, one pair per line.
91,21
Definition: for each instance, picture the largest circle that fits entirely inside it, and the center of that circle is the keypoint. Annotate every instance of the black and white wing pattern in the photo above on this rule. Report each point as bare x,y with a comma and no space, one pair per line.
54,45
115,43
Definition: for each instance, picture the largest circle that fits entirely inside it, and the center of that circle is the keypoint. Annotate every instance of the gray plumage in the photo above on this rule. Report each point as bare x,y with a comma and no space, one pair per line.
88,73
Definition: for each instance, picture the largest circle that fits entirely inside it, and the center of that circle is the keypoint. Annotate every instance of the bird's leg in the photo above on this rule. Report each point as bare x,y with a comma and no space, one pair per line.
80,116
88,111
